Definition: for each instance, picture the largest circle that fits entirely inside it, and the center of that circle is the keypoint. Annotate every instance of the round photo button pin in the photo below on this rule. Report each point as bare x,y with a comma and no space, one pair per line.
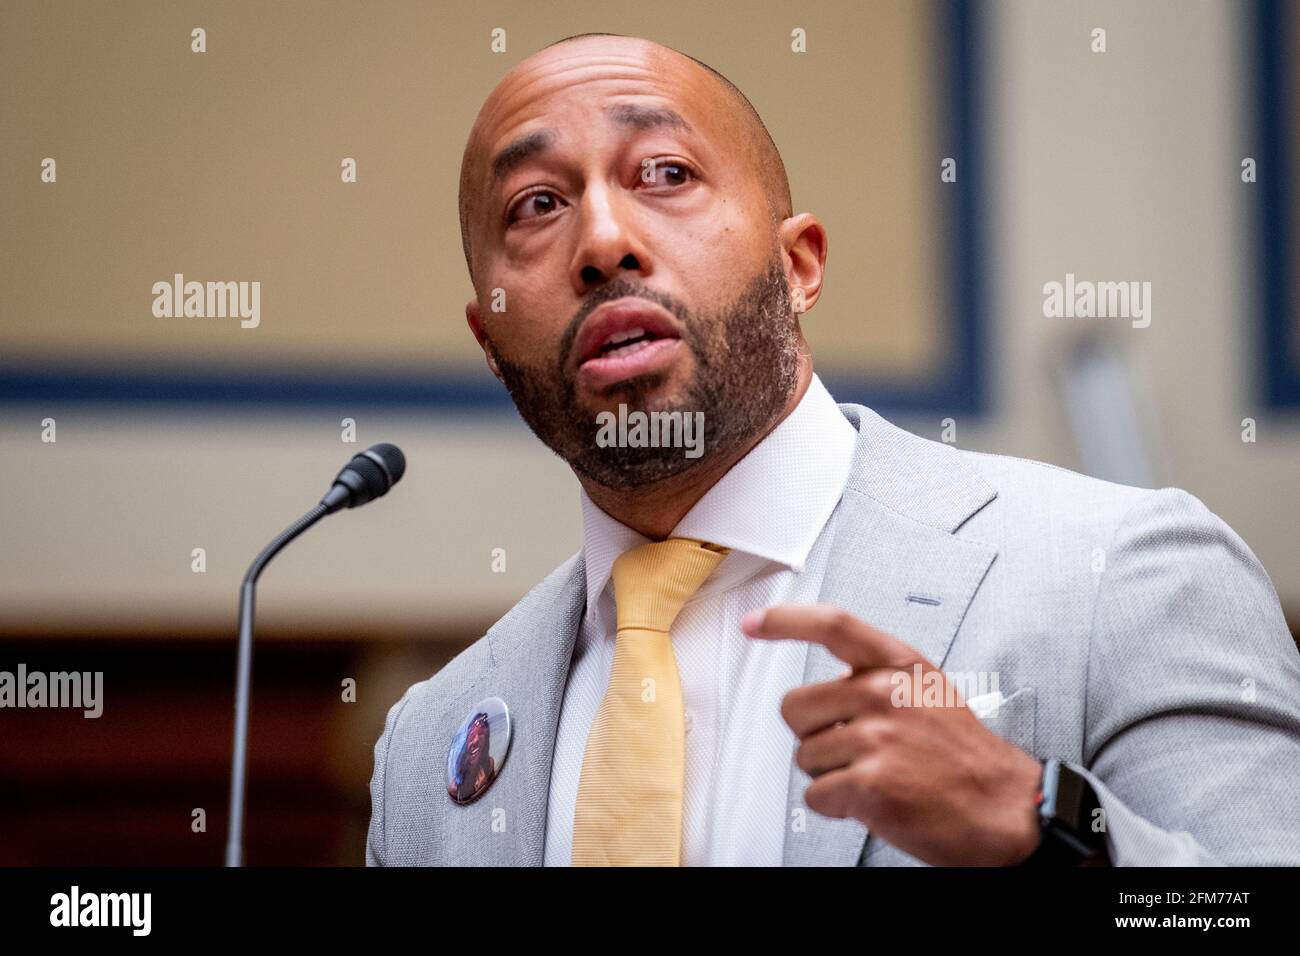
478,750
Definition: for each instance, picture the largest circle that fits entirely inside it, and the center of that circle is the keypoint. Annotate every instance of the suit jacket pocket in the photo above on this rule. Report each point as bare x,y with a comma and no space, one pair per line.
1014,718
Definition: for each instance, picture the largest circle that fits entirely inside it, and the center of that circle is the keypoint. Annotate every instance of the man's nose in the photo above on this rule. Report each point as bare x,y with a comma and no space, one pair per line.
608,242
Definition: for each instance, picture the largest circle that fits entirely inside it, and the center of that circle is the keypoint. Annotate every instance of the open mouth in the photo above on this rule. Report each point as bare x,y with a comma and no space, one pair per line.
626,339
618,330
627,342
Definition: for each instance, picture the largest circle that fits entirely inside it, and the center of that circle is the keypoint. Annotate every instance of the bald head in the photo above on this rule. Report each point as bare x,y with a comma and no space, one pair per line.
753,143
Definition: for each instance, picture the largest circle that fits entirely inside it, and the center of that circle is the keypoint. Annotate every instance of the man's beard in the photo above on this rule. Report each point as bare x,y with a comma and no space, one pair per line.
746,365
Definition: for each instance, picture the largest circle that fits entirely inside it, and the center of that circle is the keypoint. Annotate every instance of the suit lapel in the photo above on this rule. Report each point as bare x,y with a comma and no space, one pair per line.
892,543
530,653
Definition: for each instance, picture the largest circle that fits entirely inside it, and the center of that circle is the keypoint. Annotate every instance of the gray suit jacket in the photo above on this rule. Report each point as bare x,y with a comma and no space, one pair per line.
1133,634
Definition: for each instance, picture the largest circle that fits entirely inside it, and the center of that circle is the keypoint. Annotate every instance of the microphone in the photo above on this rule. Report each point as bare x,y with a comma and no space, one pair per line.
369,475
366,477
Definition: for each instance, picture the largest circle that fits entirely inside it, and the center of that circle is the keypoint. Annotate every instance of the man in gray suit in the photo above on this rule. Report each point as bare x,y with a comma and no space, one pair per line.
901,652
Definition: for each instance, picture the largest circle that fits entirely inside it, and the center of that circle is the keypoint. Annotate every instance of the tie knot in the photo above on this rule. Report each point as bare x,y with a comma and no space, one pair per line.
652,582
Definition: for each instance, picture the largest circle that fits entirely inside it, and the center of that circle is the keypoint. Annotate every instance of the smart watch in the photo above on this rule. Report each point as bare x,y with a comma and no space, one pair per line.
1067,807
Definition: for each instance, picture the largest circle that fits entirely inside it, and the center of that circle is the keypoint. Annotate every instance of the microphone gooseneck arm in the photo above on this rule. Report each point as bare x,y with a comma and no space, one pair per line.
247,592
367,476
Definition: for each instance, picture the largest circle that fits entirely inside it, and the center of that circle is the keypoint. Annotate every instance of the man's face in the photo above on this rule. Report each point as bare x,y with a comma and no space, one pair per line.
477,739
631,236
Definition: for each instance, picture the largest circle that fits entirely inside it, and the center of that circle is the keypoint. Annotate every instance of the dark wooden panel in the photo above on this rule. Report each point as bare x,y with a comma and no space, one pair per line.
120,789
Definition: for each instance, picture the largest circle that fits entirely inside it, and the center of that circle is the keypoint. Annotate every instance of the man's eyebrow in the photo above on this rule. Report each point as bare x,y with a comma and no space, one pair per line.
525,146
629,115
647,117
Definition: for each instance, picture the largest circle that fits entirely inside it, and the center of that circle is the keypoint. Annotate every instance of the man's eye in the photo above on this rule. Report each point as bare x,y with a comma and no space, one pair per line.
539,204
666,173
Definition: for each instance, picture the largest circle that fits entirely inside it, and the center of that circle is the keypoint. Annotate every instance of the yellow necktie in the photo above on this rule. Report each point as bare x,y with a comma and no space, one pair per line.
629,809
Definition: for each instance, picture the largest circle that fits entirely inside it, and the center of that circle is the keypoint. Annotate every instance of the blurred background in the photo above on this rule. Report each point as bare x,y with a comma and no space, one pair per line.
1159,151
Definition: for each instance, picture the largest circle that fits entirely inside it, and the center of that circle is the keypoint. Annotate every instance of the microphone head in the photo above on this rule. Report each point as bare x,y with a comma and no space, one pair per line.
367,476
391,459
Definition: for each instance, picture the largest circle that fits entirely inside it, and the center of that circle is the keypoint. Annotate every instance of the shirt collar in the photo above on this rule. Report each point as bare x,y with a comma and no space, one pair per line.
772,504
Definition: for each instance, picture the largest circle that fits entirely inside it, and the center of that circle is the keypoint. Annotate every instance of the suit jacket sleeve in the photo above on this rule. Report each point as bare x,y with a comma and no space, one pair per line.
376,842
1192,720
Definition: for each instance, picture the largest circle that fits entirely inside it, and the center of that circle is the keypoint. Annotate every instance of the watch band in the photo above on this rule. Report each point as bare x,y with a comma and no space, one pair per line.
1066,807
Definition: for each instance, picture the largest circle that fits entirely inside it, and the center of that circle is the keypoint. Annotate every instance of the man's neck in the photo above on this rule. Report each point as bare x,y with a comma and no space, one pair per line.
656,510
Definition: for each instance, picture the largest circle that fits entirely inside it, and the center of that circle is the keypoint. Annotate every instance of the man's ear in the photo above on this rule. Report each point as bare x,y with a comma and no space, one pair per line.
476,326
804,240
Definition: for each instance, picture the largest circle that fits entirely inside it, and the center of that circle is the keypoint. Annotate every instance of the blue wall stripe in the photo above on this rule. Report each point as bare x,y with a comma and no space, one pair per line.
1275,234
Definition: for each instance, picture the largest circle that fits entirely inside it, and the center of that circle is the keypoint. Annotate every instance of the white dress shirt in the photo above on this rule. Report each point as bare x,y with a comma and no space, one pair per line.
769,509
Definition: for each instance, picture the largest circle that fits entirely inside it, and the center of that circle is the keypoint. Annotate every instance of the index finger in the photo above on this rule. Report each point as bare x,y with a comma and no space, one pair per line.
852,640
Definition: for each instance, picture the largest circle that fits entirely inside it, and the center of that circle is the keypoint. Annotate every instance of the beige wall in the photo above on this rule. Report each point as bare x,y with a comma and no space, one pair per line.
225,166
